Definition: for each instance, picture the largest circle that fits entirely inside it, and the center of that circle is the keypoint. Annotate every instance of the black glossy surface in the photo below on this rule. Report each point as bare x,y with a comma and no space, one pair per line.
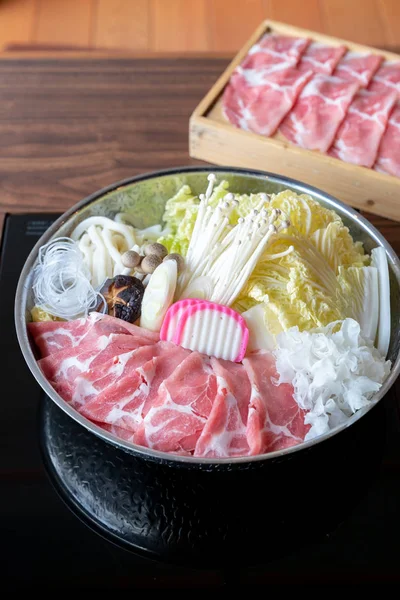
224,515
45,545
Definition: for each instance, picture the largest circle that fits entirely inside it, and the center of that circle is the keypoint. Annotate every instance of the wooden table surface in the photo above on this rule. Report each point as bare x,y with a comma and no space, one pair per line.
73,123
189,25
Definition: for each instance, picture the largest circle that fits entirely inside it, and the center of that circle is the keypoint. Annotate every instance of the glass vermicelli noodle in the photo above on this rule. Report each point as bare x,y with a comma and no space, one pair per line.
62,281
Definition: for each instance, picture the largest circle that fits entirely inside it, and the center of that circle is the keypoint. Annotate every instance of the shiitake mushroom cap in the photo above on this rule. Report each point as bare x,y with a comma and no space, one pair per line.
123,295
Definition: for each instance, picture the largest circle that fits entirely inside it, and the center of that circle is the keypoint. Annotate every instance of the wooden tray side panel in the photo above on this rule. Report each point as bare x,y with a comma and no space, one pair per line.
374,192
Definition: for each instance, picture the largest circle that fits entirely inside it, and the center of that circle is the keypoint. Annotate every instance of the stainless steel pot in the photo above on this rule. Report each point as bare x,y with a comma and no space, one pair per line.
211,512
145,196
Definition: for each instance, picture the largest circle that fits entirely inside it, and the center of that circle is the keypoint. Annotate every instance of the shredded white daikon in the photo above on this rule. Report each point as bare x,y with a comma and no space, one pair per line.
334,372
61,282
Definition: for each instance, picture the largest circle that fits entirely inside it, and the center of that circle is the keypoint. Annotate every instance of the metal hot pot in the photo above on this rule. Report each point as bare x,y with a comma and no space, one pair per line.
206,511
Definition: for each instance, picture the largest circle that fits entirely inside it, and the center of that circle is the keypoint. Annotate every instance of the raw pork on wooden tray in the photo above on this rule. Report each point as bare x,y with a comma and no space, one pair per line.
321,58
258,103
359,135
275,49
388,160
387,78
318,112
358,67
263,89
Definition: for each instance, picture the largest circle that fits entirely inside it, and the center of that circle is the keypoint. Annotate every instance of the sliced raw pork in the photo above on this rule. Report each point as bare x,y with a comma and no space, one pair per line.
388,160
387,77
275,52
359,135
52,336
280,46
63,368
125,403
318,112
128,436
275,420
358,67
106,325
260,65
321,58
258,102
183,404
225,434
104,373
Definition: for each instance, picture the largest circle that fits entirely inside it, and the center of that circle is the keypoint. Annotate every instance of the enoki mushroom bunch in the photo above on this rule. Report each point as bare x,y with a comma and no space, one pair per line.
61,283
225,256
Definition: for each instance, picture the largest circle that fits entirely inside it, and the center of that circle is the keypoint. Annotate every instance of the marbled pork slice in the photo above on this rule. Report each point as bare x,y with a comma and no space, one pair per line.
358,138
224,434
125,402
275,420
358,67
62,368
274,52
52,336
282,47
109,372
256,102
318,112
388,160
181,408
387,78
321,58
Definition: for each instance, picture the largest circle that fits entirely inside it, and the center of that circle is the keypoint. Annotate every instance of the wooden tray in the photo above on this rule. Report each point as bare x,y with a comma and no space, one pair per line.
214,139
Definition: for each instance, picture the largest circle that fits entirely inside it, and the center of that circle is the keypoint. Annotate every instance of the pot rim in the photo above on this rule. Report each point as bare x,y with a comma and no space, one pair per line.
148,453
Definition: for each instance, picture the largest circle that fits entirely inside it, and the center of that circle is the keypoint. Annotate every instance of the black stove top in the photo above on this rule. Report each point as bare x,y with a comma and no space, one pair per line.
45,543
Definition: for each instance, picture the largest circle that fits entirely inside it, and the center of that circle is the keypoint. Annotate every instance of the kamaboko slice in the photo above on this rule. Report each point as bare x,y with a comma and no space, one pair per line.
173,316
208,328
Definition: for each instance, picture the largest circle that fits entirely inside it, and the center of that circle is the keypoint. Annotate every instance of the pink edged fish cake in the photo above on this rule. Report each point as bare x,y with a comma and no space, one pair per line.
206,327
173,316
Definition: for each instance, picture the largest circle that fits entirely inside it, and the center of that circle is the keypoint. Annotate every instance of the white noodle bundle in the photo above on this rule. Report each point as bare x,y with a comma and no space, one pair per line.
61,282
103,241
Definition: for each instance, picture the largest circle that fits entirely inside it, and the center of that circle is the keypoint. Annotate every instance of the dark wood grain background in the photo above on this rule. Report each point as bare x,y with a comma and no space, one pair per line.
69,125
